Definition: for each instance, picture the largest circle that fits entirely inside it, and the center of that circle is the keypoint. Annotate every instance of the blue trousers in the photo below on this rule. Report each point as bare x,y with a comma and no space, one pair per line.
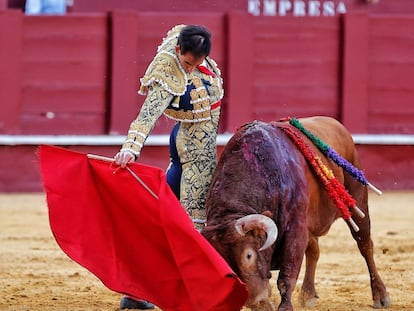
175,169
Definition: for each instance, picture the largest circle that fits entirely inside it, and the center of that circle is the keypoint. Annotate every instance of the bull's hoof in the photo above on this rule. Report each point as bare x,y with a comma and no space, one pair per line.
308,301
383,303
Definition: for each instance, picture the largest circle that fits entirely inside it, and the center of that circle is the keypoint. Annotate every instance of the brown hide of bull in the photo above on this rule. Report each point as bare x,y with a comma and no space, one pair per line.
261,171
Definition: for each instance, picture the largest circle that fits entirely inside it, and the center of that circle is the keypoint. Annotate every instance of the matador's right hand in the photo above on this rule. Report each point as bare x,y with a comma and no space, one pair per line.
123,157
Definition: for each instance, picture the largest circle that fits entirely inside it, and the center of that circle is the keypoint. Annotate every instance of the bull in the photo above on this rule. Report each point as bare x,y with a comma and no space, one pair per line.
266,209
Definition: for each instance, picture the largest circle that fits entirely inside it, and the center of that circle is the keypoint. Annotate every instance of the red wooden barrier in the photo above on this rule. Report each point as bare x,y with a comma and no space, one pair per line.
65,64
262,6
390,167
295,67
79,74
124,70
354,93
239,91
390,74
11,31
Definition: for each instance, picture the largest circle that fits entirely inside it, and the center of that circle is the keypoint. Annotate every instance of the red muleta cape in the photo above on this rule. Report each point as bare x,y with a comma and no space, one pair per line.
144,247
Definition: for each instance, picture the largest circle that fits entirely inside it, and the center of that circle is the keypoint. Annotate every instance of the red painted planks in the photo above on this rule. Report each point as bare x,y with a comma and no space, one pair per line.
11,32
65,74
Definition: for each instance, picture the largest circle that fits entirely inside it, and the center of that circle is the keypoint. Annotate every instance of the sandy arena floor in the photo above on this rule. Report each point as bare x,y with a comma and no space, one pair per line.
36,275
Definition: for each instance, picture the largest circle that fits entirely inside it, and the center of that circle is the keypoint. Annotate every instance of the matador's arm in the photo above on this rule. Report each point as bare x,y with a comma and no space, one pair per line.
156,102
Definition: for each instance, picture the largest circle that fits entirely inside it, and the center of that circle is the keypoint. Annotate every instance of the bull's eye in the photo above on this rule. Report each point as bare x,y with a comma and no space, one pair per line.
248,258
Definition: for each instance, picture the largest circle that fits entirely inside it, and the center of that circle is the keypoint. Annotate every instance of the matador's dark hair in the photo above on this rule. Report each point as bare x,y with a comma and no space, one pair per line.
195,39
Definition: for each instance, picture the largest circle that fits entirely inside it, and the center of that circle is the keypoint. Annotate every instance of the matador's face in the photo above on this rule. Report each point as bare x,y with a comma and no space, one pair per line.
188,60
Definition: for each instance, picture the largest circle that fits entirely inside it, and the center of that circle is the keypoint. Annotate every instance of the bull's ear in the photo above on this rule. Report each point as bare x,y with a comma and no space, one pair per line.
268,214
212,232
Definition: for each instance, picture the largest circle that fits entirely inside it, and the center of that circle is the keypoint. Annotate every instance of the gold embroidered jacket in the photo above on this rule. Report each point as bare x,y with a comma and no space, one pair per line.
170,90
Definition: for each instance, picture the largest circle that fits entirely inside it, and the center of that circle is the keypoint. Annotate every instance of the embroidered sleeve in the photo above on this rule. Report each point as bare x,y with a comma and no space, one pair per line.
154,105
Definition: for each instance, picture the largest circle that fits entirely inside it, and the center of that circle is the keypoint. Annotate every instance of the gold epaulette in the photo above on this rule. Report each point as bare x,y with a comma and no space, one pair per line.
166,71
165,68
170,41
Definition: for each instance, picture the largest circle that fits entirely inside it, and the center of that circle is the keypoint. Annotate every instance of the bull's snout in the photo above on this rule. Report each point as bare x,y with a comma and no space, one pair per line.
259,299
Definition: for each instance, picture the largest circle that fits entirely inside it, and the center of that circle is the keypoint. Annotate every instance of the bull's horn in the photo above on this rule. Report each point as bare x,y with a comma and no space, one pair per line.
247,223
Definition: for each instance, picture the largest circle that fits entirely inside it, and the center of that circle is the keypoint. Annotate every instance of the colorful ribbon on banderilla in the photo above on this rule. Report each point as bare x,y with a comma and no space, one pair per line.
336,191
330,153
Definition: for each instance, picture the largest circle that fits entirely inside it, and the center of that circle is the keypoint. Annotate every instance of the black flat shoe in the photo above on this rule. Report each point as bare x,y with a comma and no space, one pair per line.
129,303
